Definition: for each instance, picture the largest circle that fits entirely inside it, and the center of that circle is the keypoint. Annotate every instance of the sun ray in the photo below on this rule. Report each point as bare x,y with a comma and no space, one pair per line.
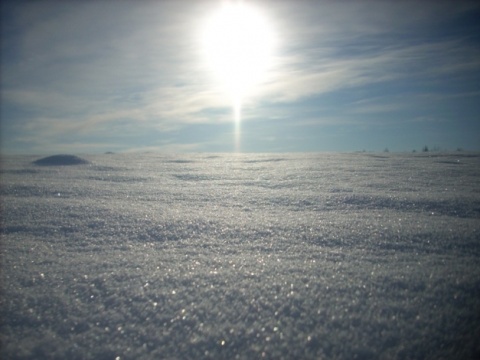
237,114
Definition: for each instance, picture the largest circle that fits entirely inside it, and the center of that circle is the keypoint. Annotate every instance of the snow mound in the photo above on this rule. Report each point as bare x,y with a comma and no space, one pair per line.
60,160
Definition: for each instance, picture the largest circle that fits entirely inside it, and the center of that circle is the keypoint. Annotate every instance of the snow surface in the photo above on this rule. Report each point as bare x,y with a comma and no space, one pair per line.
276,256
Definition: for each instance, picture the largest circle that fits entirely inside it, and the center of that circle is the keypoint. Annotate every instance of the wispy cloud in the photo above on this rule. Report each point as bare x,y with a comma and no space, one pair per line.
305,75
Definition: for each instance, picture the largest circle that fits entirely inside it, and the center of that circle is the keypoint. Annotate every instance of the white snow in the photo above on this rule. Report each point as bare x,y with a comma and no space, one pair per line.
277,256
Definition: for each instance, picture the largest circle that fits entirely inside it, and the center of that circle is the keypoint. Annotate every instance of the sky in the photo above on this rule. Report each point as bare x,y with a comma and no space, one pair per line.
126,76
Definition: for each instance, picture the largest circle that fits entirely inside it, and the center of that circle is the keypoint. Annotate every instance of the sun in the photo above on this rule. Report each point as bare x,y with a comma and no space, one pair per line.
238,42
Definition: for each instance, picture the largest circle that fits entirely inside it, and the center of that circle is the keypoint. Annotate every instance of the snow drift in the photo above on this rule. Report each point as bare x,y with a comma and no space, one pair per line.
60,160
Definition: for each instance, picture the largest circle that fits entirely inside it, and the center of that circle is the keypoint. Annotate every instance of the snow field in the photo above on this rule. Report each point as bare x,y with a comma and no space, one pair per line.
149,256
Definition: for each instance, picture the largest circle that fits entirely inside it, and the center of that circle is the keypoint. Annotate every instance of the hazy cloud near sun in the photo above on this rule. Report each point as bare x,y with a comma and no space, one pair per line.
91,67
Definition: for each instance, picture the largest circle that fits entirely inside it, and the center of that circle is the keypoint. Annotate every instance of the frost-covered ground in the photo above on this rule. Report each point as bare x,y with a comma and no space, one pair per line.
286,256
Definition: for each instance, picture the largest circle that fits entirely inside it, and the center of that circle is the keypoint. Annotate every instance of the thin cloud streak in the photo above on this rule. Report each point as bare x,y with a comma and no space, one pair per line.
298,78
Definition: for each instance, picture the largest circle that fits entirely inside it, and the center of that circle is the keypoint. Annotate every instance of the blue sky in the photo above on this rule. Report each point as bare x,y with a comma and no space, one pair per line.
97,76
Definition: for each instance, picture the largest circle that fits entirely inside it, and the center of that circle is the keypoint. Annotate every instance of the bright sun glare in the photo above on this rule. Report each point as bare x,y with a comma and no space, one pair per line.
238,42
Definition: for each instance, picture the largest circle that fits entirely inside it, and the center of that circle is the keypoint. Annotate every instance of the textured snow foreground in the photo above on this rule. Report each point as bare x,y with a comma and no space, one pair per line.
335,256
